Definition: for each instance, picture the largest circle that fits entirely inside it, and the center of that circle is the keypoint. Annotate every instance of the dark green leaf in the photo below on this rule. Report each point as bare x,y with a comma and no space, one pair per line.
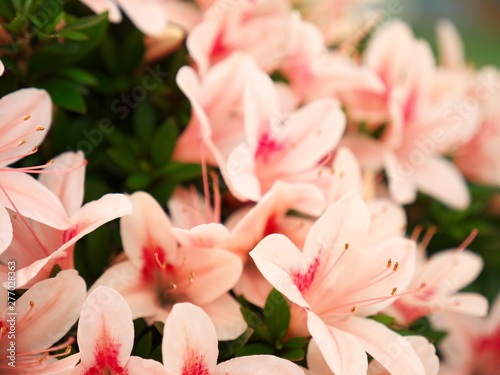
142,348
252,319
277,315
65,94
296,342
138,181
227,349
159,326
7,9
74,35
124,158
180,172
293,354
163,143
144,120
77,75
55,270
386,320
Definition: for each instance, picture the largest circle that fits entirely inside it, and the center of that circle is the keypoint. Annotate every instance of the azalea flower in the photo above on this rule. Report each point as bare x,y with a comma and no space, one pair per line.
106,337
159,272
420,128
37,247
148,15
280,144
190,347
43,315
472,344
330,301
26,117
443,274
256,27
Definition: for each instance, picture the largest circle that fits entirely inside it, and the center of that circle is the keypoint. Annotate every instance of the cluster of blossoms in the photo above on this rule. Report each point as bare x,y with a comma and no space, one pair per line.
319,145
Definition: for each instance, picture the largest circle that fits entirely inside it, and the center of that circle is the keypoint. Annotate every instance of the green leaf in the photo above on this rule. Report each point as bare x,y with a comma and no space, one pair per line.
254,349
180,172
277,315
124,158
7,9
252,319
159,326
74,35
293,354
17,24
138,181
296,343
386,320
110,56
142,348
77,75
163,143
156,354
144,121
227,349
65,94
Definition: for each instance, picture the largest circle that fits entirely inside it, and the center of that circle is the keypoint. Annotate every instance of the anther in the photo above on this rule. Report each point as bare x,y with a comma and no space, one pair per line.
22,142
389,263
394,290
396,265
191,276
27,117
40,128
172,286
353,309
32,304
346,246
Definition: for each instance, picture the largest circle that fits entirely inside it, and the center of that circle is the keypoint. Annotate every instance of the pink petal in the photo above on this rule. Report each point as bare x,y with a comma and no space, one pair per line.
67,186
147,231
451,49
278,259
258,365
441,180
347,176
387,219
141,366
148,15
105,331
22,112
226,316
101,6
32,199
125,278
402,185
189,341
341,351
391,350
50,318
6,230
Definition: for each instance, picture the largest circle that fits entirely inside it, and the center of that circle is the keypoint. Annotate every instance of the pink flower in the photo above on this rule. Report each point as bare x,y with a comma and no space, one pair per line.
421,126
190,347
26,116
472,344
159,272
216,126
37,247
339,278
443,274
280,144
43,315
148,15
256,27
106,337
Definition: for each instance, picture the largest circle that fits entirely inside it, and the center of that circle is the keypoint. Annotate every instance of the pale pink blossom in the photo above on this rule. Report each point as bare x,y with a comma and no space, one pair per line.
106,337
43,315
421,127
443,275
26,117
163,269
190,347
330,301
148,15
37,247
472,344
280,144
256,27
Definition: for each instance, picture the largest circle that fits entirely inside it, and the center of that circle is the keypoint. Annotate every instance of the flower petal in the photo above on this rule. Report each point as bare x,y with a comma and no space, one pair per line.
189,341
